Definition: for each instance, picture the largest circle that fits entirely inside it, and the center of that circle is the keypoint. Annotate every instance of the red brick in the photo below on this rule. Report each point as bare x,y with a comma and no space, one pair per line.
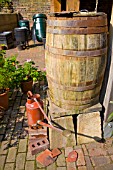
55,152
38,145
72,157
45,158
41,131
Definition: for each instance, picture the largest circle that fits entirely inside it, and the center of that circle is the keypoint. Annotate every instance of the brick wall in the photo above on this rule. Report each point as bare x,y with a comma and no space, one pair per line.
27,8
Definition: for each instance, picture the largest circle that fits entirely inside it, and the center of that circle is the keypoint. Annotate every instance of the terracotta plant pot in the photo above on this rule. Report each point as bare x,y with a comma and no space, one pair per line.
26,86
4,100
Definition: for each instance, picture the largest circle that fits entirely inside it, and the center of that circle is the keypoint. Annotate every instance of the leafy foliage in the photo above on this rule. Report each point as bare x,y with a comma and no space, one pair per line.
12,73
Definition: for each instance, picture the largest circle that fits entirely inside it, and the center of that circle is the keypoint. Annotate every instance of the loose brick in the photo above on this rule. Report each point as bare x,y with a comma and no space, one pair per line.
11,154
45,158
55,152
61,159
80,160
100,160
72,157
20,161
38,145
30,165
22,145
9,166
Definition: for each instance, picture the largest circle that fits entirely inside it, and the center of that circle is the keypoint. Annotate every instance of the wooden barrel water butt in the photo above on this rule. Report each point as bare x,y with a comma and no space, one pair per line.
76,54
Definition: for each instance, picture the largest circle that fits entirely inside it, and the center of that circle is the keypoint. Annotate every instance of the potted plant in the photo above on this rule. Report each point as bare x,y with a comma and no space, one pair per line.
27,73
7,78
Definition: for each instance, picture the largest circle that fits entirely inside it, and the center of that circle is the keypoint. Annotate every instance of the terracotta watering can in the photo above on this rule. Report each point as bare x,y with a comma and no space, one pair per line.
33,108
36,114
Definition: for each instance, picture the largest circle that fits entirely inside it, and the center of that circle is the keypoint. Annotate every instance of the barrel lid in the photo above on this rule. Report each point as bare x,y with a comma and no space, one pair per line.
76,14
39,16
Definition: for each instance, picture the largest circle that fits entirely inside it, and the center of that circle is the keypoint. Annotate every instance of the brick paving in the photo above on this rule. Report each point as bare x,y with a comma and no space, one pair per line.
14,151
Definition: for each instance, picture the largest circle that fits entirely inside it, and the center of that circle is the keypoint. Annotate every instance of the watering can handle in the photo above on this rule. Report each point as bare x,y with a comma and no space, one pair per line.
43,112
49,126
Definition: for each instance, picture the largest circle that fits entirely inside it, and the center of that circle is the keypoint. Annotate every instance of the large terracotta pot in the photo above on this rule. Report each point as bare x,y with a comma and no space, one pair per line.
4,100
26,86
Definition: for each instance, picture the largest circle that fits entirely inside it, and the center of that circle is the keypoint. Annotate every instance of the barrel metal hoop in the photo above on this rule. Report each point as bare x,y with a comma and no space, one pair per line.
79,88
93,53
77,103
85,22
89,30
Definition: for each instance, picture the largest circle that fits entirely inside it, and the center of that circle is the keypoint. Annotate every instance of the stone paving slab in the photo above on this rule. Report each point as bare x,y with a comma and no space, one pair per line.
14,150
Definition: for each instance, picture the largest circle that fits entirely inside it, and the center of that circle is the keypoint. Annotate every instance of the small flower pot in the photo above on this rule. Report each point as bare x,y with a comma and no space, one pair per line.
26,86
4,100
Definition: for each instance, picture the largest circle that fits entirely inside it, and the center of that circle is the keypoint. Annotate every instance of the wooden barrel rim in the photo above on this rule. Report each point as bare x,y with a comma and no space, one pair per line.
93,53
75,14
92,30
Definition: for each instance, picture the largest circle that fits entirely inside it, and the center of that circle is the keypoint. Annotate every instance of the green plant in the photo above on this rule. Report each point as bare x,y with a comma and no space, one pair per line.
7,73
42,75
27,71
5,3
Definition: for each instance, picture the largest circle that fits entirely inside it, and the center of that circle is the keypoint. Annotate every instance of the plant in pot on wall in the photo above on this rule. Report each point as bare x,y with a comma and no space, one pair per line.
7,70
6,6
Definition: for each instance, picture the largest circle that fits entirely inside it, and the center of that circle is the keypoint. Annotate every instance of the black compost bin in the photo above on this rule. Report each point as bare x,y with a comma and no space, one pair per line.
21,36
39,26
